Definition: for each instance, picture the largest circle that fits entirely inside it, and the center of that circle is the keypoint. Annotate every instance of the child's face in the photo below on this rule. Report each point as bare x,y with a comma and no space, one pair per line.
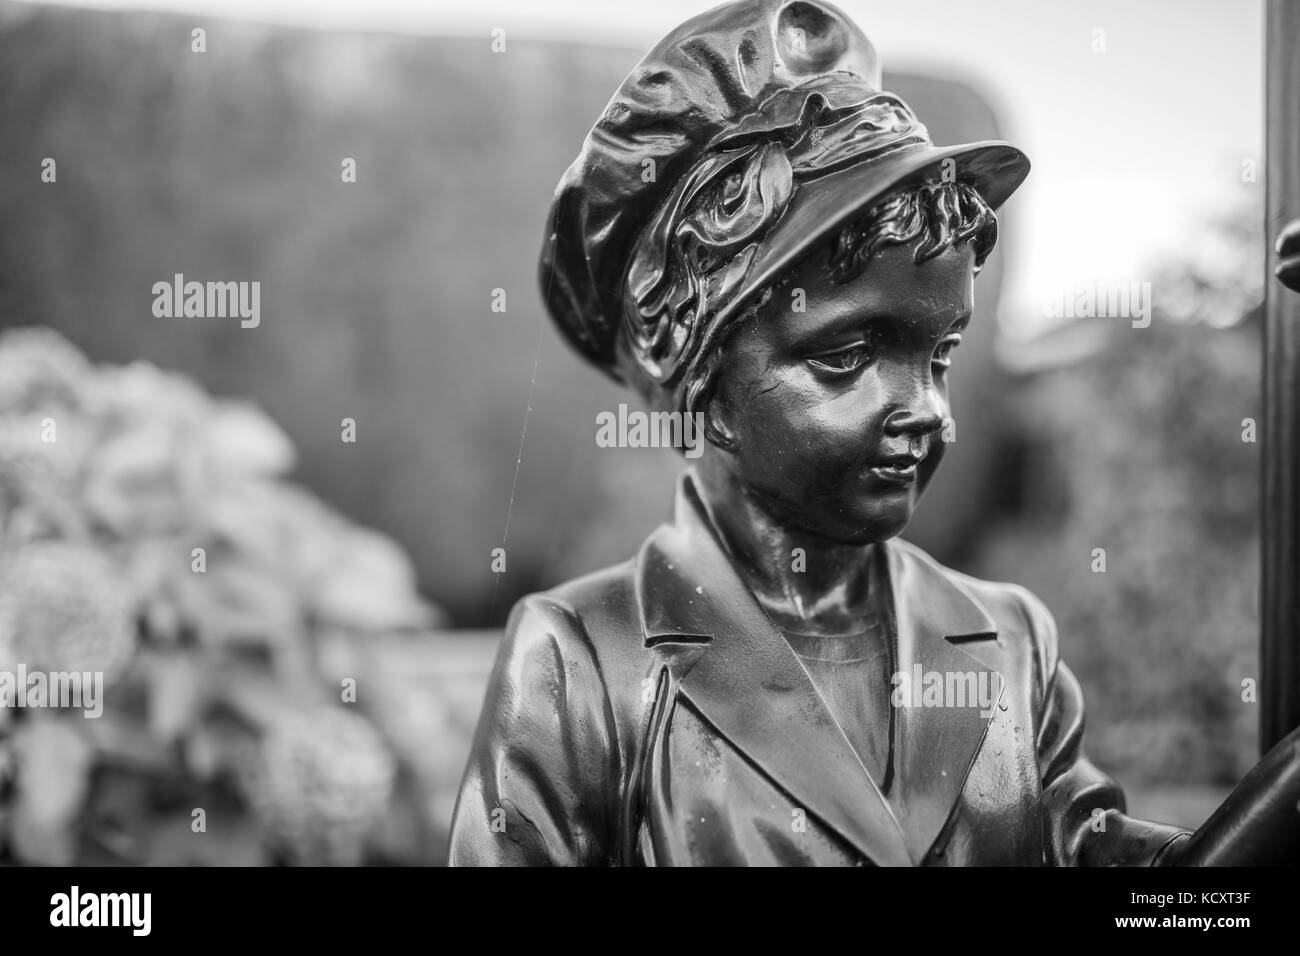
831,408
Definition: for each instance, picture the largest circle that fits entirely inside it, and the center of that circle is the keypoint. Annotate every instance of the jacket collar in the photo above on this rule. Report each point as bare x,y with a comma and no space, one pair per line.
752,687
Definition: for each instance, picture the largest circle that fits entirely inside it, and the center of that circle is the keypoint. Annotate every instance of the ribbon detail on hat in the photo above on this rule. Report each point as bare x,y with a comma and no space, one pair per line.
693,256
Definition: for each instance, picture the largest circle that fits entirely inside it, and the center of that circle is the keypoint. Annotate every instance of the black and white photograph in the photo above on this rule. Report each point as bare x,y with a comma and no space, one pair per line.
445,436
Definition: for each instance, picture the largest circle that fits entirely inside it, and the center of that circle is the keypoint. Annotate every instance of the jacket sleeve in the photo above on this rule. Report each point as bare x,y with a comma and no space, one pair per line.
1083,809
540,785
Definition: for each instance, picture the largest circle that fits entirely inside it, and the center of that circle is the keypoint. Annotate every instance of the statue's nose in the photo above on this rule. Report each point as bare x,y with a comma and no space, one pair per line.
921,414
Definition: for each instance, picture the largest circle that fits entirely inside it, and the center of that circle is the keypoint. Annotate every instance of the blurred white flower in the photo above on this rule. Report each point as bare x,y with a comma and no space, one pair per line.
41,371
141,392
345,575
368,584
319,780
65,607
133,483
28,455
241,441
53,766
234,602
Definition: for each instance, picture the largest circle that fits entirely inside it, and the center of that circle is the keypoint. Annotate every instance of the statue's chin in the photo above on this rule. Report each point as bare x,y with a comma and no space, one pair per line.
873,534
870,526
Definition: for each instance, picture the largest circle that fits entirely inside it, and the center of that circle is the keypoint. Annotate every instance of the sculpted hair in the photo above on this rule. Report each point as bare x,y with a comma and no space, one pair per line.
934,217
940,216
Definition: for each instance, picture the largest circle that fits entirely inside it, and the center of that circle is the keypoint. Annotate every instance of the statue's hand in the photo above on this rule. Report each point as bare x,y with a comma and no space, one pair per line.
1288,251
1259,823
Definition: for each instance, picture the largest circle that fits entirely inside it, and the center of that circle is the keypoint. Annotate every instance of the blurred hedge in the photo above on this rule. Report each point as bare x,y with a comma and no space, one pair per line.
1138,449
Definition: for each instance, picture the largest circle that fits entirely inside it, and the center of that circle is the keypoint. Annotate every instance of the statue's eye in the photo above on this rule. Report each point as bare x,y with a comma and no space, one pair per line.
943,353
844,360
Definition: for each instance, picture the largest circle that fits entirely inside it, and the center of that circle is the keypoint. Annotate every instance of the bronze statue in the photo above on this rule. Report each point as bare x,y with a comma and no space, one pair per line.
755,233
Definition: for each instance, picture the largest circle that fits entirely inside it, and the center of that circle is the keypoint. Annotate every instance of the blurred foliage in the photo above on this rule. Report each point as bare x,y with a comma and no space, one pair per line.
111,480
1139,450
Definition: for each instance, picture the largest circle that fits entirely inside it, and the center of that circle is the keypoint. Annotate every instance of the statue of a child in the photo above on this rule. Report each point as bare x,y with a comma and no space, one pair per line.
756,234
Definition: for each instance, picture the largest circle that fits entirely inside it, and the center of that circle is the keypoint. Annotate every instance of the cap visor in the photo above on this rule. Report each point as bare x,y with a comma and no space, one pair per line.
821,205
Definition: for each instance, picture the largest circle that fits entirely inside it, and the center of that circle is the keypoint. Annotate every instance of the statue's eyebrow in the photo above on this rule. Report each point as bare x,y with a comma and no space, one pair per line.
838,327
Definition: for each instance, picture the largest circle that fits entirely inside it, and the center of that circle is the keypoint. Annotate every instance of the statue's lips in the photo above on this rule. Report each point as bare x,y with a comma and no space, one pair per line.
897,471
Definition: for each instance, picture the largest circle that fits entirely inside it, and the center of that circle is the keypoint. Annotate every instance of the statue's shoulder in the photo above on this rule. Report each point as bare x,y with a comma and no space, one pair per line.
578,648
604,601
1020,614
588,603
593,619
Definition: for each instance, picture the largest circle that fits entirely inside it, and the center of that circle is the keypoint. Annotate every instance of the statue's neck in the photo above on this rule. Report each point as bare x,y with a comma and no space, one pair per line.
803,581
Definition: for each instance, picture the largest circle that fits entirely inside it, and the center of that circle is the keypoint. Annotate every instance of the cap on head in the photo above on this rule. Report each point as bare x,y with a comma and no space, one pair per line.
738,143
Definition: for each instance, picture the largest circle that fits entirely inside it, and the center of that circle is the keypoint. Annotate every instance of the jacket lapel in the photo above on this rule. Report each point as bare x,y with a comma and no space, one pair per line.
754,691
944,636
751,687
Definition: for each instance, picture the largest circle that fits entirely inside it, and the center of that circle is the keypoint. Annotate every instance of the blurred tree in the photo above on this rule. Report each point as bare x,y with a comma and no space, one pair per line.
1144,449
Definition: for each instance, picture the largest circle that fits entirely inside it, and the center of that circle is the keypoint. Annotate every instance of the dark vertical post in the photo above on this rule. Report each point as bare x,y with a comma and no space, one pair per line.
1279,697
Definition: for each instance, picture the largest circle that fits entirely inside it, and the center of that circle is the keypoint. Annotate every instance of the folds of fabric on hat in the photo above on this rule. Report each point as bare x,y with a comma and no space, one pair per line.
675,275
692,259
